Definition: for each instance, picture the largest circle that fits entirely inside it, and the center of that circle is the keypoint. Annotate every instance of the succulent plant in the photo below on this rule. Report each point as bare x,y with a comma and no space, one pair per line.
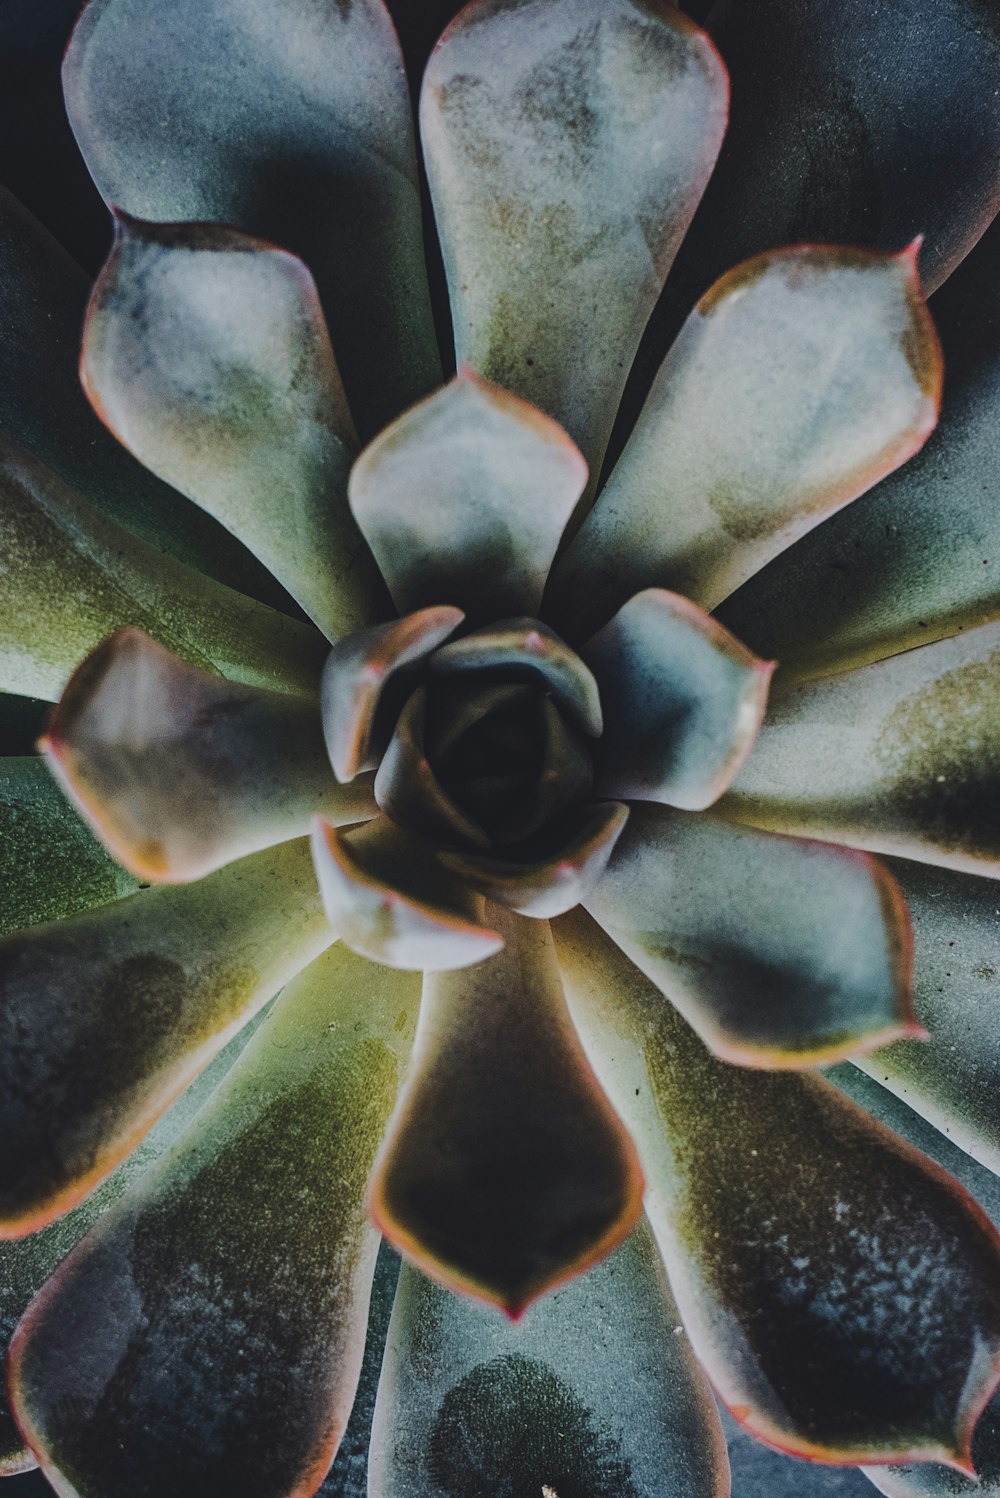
420,843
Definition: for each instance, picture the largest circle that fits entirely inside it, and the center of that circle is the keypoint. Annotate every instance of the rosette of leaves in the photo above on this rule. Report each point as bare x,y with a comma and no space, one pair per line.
441,708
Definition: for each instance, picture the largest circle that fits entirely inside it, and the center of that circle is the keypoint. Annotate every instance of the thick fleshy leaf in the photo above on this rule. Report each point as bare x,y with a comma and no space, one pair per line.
505,1170
108,1015
547,884
207,1335
288,119
527,647
388,898
206,353
798,381
682,702
26,1263
50,863
71,576
356,675
780,952
955,1080
43,296
408,790
463,500
567,145
841,1290
596,1392
179,772
902,756
915,560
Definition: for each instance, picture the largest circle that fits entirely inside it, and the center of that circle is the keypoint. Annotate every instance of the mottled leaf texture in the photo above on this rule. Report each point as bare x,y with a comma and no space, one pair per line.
916,559
207,1336
388,898
955,1080
207,355
901,756
799,380
595,1393
50,863
505,1170
567,145
43,294
841,1290
779,951
682,702
71,576
179,772
463,500
358,671
288,119
108,1015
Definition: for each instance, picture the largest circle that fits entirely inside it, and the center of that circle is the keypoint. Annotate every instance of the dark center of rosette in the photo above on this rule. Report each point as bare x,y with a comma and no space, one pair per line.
491,746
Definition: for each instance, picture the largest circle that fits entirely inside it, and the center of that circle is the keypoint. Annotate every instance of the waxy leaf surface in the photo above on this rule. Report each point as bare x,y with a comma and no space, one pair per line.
682,701
107,1015
179,772
797,382
463,500
779,951
840,1289
505,1170
596,1392
288,119
206,353
901,756
207,1335
72,575
567,145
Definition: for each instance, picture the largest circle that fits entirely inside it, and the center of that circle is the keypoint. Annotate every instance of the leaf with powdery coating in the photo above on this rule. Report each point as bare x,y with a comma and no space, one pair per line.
595,1392
464,499
207,1335
505,1170
108,1015
207,355
901,756
781,953
682,702
799,380
288,119
954,1081
179,772
567,145
840,1289
71,576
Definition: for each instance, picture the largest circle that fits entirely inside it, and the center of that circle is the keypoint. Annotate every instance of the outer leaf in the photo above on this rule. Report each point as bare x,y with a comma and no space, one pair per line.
682,702
388,898
914,561
72,575
955,1080
207,1336
179,772
50,863
26,1263
505,1170
207,355
780,952
297,117
43,294
567,146
902,756
463,500
840,1289
798,381
108,1015
595,1392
